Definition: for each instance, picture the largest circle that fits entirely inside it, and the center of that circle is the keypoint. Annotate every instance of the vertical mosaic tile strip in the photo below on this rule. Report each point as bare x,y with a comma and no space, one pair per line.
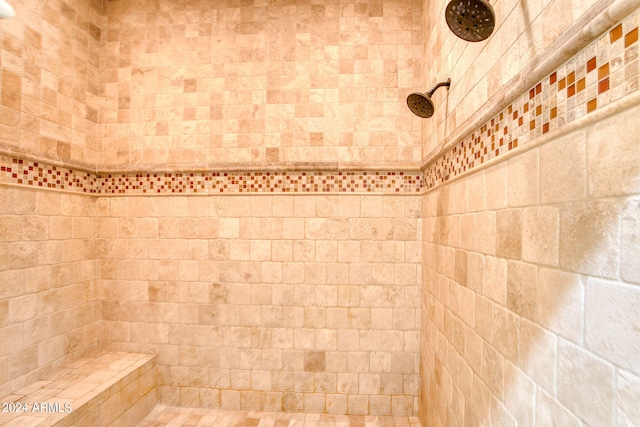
603,72
23,172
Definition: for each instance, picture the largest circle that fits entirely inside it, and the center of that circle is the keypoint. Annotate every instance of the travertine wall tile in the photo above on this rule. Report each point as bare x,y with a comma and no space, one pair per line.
467,228
593,408
539,327
562,181
524,179
564,291
50,80
550,412
49,306
496,279
614,338
540,229
496,186
612,159
506,331
486,230
350,255
509,233
277,308
492,370
260,84
630,230
590,238
627,394
518,395
538,354
522,289
476,194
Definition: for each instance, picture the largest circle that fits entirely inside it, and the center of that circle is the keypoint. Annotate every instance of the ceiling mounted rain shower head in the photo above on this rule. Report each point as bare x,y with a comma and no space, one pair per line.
6,11
421,104
471,20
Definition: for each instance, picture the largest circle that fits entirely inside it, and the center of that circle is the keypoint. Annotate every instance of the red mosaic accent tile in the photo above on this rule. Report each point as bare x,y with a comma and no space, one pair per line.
603,85
591,64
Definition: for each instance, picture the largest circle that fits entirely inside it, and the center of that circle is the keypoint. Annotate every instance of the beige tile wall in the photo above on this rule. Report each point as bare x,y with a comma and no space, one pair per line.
48,305
530,309
478,71
280,303
49,79
240,83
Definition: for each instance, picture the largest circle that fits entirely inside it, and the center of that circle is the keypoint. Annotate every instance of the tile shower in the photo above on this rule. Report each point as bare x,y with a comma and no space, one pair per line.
240,190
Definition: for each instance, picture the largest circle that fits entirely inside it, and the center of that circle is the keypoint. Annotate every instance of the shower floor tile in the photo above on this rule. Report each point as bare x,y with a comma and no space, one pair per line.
171,416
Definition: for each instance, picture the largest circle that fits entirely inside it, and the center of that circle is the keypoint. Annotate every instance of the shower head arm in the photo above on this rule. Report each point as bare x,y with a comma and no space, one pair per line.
432,91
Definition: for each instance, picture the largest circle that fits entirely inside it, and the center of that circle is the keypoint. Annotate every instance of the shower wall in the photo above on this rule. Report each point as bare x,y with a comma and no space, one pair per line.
275,302
49,310
530,311
236,84
49,102
530,272
479,71
49,80
268,302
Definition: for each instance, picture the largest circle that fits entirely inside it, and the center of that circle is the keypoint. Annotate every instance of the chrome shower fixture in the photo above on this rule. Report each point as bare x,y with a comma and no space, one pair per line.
6,11
421,104
471,20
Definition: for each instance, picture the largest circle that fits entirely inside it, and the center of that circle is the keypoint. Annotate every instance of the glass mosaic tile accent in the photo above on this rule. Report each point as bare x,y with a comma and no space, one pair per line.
604,71
19,171
260,182
37,174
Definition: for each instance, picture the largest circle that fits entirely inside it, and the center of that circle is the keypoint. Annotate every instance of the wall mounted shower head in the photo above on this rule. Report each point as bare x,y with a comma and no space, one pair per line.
471,20
6,11
421,104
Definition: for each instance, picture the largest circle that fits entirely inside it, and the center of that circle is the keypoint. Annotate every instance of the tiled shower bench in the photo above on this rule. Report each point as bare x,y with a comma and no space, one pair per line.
113,388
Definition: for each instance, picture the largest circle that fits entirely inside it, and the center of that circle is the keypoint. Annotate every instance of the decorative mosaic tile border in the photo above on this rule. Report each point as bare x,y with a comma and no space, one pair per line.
36,174
604,71
261,182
